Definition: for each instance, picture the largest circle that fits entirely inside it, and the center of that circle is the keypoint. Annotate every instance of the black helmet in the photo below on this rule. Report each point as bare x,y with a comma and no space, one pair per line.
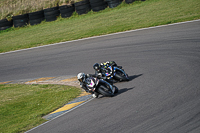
96,66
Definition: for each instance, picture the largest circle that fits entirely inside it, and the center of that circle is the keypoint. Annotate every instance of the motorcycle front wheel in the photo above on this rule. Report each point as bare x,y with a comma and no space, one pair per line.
105,91
121,76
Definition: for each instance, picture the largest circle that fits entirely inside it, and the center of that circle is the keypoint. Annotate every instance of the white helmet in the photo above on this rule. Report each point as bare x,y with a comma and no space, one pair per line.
81,77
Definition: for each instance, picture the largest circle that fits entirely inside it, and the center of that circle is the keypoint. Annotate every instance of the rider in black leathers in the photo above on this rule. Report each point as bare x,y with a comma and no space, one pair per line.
103,68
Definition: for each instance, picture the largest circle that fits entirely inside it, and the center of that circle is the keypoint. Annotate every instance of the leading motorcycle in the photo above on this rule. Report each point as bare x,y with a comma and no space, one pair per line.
101,87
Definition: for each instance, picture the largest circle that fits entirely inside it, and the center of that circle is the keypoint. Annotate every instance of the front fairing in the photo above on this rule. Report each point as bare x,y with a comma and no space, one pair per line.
118,69
108,74
110,86
92,83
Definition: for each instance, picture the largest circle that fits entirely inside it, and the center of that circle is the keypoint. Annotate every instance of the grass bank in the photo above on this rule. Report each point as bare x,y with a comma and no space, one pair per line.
22,106
122,18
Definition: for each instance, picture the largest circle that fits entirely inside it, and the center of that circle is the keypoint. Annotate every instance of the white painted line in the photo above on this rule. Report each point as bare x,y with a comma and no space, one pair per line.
60,115
101,36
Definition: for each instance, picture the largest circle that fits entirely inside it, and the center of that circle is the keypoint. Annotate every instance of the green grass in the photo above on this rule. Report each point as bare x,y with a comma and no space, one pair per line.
122,18
22,106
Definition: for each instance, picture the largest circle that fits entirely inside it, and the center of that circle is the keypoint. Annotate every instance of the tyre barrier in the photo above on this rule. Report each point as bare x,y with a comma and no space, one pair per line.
5,24
66,10
129,1
98,5
36,17
113,3
20,20
51,14
82,7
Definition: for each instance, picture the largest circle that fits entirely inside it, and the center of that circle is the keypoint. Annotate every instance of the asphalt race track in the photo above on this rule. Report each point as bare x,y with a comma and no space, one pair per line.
163,95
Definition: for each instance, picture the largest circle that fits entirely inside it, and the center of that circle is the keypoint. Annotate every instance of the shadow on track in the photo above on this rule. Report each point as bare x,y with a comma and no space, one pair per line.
125,89
134,77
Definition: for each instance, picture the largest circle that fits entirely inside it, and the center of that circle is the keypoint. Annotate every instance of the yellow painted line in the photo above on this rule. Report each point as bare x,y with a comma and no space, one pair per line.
5,82
67,107
40,79
70,79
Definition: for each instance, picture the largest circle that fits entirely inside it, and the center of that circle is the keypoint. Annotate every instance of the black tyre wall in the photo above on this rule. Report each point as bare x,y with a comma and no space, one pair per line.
113,3
20,20
36,17
5,22
81,3
66,11
51,14
97,5
129,1
82,7
4,28
98,8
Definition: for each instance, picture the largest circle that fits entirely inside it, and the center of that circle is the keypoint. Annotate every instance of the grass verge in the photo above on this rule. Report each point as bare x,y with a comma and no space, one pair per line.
22,106
122,18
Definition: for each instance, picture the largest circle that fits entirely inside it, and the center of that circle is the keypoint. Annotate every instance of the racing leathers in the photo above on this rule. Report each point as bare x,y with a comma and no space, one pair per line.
84,85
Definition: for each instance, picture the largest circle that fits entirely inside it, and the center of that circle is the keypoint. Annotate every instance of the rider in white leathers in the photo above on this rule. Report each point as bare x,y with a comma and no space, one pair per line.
84,81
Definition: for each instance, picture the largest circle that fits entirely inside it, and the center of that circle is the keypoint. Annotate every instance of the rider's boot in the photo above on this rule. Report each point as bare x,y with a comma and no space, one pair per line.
95,95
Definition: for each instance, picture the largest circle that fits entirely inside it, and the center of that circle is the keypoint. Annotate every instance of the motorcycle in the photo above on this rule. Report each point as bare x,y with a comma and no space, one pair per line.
115,73
100,86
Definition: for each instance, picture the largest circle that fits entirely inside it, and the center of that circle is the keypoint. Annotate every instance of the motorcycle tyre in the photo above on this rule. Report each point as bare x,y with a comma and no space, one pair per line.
102,91
121,78
116,89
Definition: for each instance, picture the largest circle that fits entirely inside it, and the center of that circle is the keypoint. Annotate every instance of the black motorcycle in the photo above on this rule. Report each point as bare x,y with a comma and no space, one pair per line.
113,74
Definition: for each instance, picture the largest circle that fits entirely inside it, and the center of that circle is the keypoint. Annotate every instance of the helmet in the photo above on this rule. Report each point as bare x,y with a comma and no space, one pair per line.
81,77
96,67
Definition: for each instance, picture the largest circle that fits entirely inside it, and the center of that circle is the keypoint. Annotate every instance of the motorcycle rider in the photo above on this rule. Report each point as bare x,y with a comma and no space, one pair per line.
84,81
110,63
102,69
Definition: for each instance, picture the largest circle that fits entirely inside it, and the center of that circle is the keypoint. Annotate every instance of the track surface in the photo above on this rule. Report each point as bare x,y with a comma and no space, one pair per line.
164,92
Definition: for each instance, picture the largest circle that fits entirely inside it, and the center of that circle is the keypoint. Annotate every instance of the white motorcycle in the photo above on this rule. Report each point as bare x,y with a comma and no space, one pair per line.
101,87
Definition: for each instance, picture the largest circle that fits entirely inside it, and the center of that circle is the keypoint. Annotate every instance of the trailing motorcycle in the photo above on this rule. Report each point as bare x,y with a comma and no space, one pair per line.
101,87
115,73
